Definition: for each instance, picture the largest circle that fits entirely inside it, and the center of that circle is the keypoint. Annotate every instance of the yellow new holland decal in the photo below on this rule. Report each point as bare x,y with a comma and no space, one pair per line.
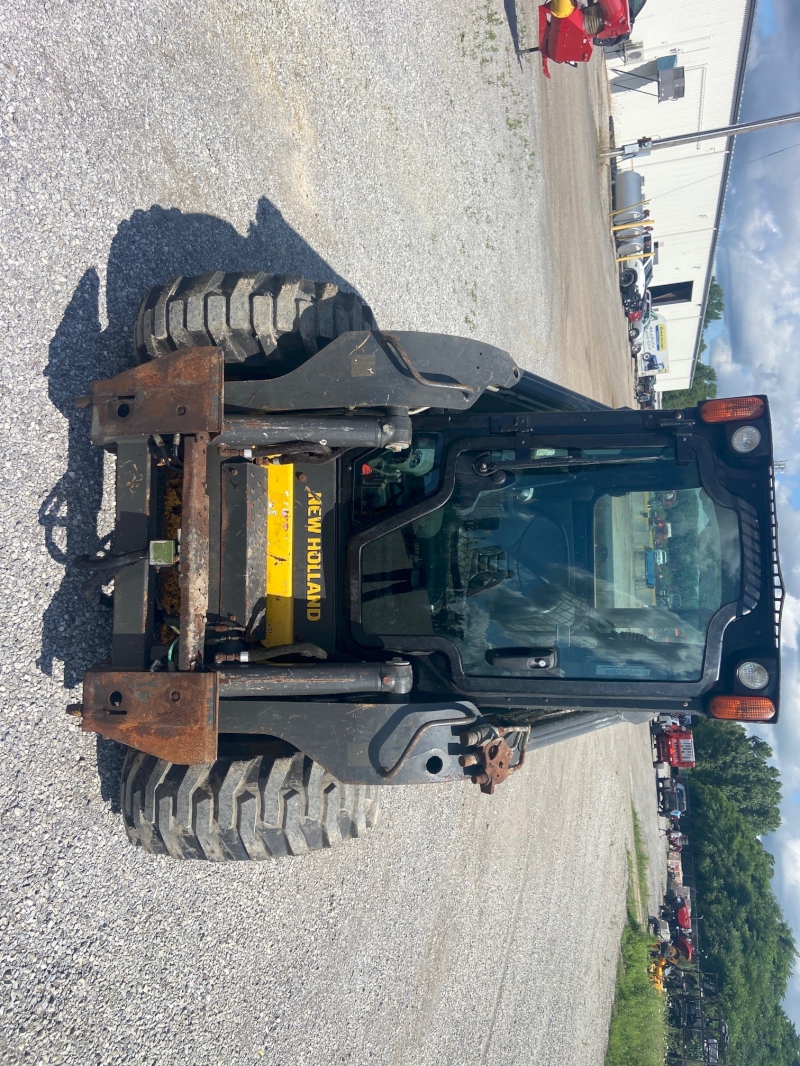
314,556
280,531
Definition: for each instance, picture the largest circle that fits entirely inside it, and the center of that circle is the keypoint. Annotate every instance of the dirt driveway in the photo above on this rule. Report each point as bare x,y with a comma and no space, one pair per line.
401,149
591,330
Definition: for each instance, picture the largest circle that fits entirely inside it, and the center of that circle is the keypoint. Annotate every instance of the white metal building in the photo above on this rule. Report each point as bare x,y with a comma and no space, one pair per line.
685,185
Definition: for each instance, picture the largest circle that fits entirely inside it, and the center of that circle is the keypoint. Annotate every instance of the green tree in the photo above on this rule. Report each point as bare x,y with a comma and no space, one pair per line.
738,765
703,387
704,382
715,305
748,943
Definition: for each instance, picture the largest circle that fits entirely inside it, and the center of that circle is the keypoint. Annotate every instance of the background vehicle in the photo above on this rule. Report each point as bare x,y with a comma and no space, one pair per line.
673,801
646,392
660,928
678,910
683,917
654,345
635,277
649,364
675,746
566,29
639,319
346,558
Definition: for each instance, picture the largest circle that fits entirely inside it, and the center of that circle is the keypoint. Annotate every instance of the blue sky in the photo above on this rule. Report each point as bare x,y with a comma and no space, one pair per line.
758,266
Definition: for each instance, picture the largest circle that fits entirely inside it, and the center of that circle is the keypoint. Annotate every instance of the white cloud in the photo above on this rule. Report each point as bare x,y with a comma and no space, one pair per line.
790,626
733,378
791,864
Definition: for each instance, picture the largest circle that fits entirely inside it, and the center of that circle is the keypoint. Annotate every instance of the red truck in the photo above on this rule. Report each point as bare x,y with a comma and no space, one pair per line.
675,746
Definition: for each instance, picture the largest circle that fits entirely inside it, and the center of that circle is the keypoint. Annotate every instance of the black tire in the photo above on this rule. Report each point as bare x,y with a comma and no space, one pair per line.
626,279
593,20
233,810
258,318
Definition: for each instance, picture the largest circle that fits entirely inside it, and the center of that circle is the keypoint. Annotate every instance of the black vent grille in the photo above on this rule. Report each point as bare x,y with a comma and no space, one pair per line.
751,551
778,588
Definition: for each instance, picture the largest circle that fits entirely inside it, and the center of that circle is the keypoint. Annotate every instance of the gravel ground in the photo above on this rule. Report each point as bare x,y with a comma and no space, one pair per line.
401,150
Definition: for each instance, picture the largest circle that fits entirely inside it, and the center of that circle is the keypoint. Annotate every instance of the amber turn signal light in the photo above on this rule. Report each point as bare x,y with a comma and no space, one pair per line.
732,409
742,708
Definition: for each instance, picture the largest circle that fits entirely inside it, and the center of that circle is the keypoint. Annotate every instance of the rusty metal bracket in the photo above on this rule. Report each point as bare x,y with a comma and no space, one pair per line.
194,553
170,715
178,393
490,761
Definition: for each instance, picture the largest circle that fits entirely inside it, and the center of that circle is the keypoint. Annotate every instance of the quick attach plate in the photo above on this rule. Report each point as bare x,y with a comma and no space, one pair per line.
178,393
170,715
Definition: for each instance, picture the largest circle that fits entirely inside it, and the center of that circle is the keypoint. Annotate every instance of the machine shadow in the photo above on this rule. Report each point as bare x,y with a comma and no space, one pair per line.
148,248
510,7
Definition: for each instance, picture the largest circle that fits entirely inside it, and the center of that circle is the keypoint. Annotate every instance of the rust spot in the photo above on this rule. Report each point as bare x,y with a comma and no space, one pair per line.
194,553
492,762
134,482
173,719
178,393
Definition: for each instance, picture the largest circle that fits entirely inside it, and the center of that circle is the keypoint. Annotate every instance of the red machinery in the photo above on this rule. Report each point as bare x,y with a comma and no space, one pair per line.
683,916
676,949
684,947
566,31
676,747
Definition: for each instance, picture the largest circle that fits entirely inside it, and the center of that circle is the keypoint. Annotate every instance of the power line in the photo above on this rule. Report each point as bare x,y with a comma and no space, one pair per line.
778,152
747,163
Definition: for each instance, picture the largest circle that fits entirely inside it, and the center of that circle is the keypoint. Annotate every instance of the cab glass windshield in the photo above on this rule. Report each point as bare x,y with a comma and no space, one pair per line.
612,560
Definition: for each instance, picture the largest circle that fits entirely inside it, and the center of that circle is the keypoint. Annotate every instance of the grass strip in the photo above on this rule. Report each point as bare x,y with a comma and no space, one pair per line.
638,1025
642,860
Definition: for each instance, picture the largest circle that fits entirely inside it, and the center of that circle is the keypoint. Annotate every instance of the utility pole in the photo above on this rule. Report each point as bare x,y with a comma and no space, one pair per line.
647,144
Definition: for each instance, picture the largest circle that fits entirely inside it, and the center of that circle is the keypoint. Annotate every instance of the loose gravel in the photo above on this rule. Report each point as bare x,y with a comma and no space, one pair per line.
399,149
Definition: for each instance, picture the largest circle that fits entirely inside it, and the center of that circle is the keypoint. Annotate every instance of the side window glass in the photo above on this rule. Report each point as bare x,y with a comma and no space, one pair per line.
386,481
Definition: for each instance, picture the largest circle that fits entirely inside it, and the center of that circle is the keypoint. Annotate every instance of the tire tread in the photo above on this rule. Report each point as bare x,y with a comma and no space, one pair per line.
232,811
245,314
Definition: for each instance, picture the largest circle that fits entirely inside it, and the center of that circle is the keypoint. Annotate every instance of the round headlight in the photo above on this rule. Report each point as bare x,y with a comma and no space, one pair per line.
745,439
753,675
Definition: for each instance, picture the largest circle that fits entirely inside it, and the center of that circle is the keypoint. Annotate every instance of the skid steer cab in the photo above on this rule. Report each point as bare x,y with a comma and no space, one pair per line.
346,558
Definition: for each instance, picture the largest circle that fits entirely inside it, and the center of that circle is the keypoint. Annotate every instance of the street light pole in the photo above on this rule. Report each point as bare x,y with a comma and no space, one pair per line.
647,144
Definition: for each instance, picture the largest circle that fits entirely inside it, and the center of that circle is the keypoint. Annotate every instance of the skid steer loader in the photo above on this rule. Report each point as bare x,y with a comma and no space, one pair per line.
346,558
